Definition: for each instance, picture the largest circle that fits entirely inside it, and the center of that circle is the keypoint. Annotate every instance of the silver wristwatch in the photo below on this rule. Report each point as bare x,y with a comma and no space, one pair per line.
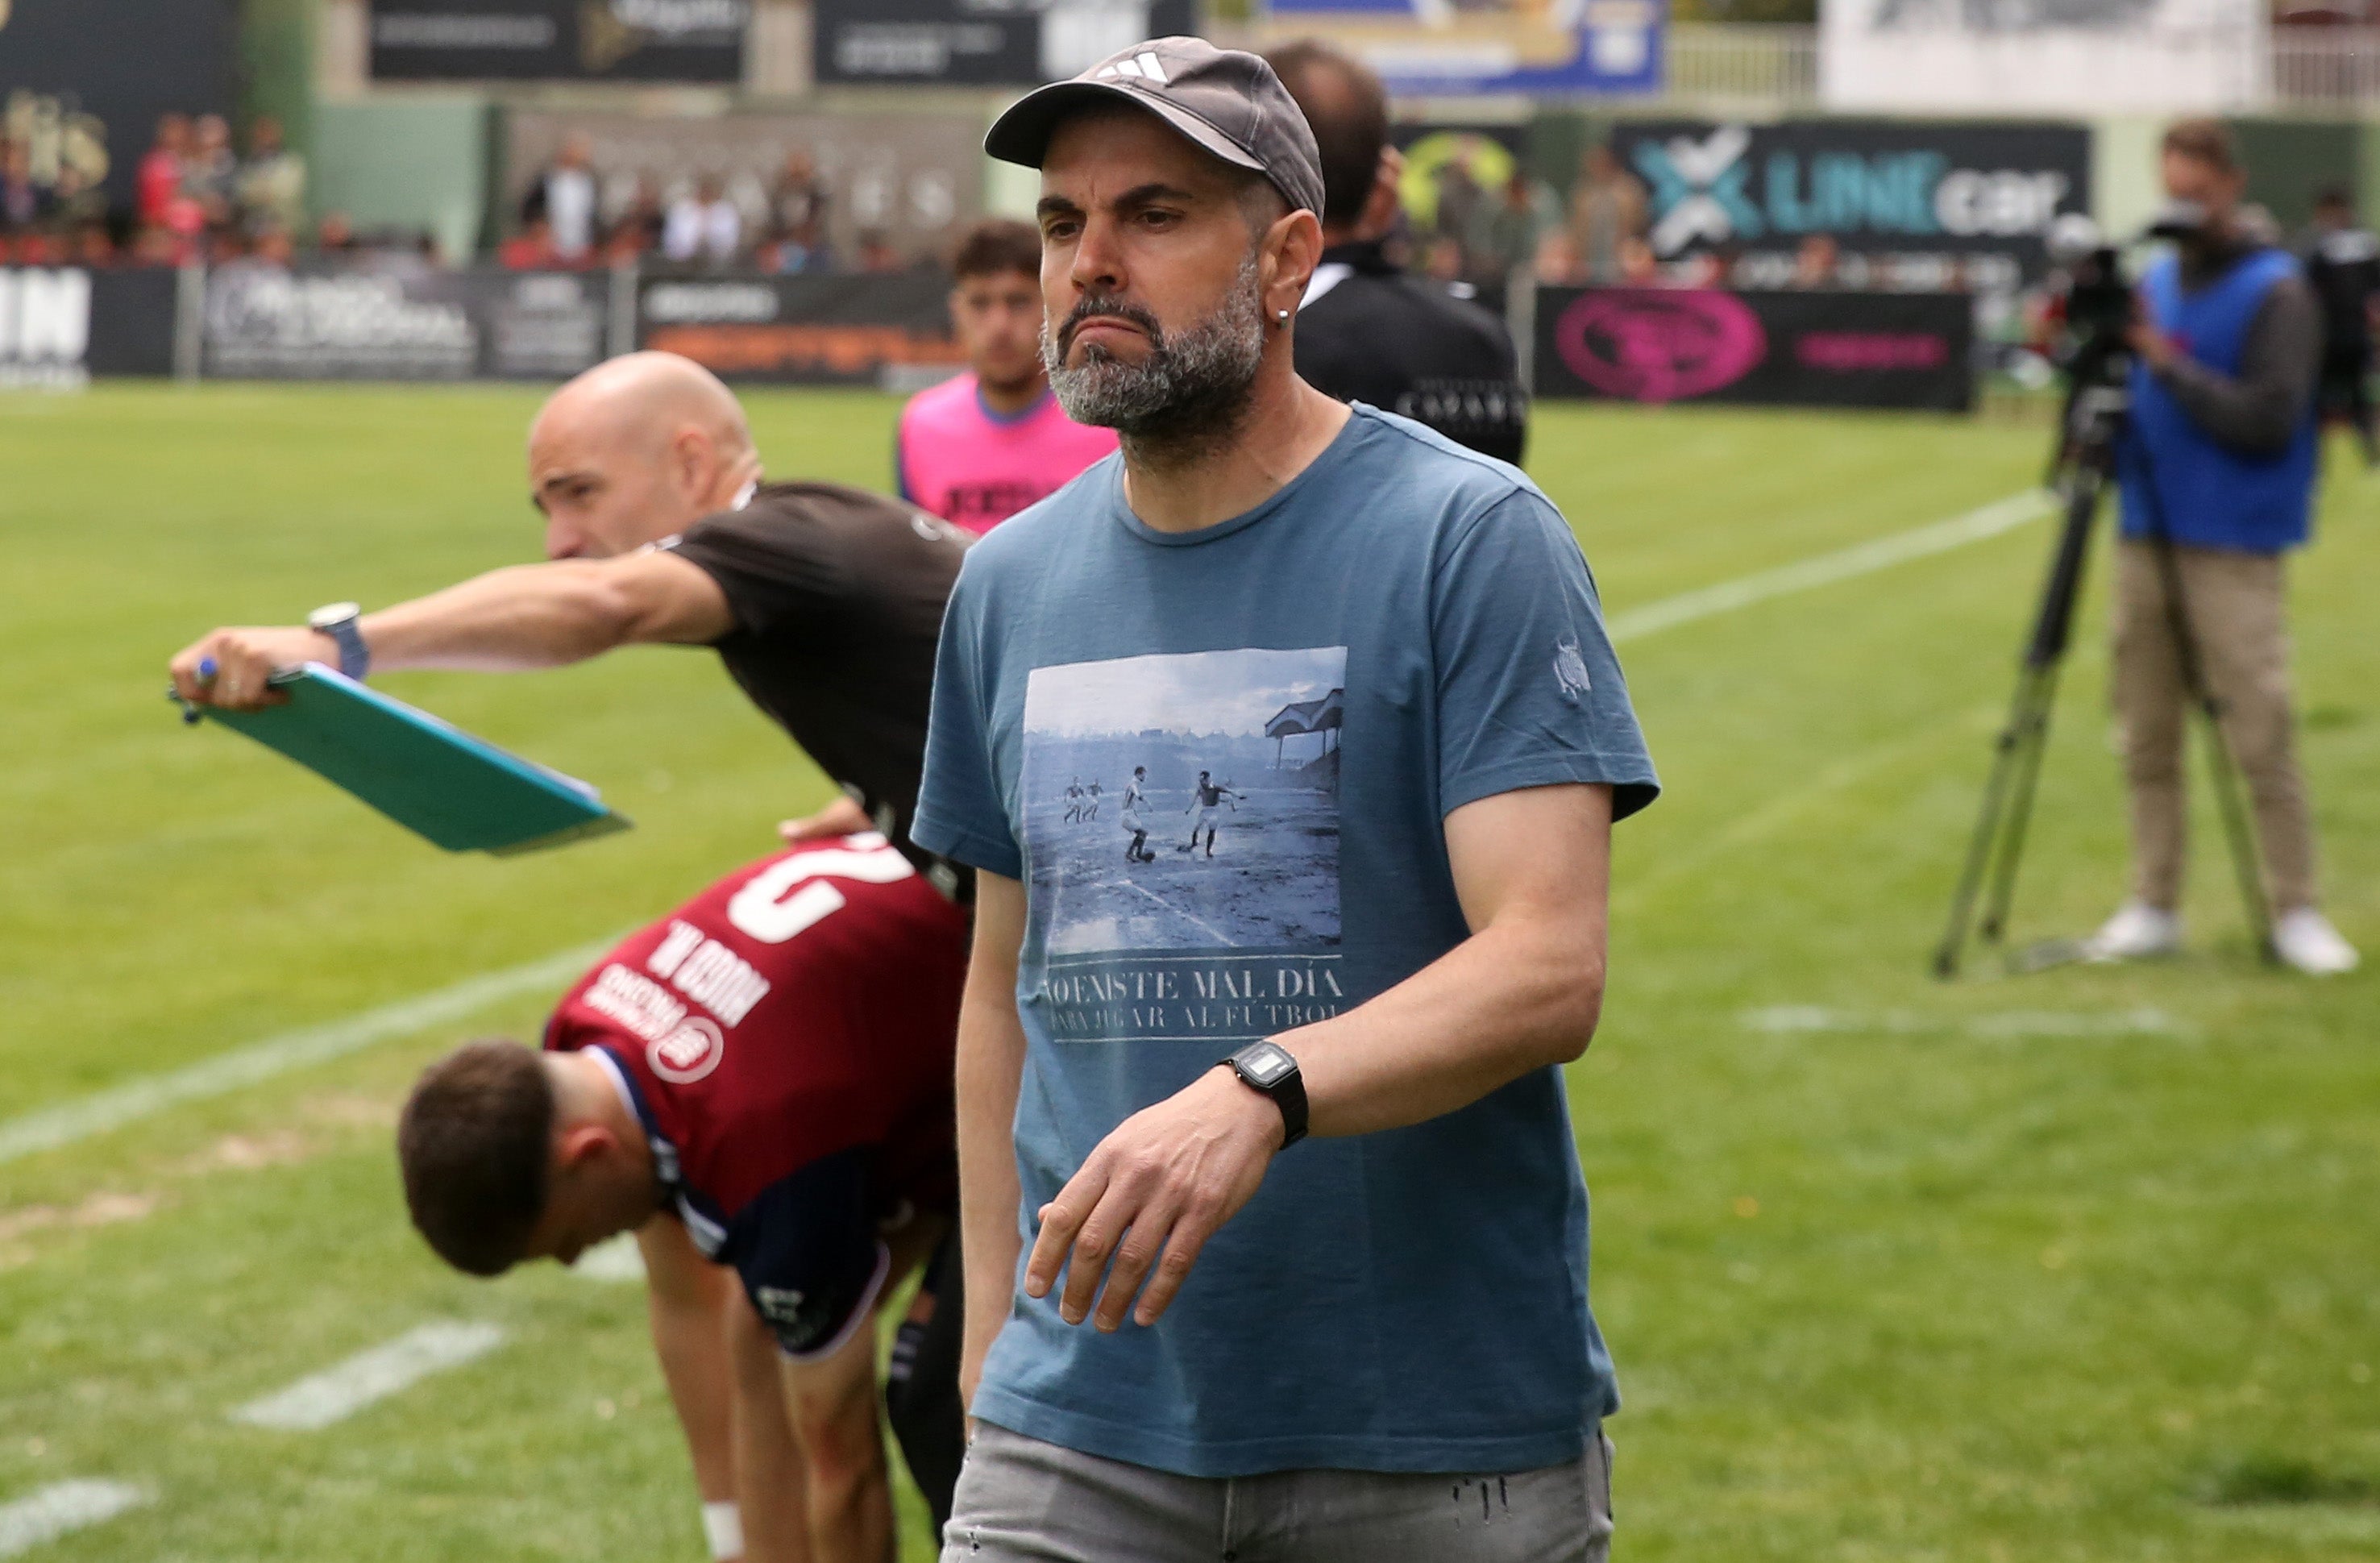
338,620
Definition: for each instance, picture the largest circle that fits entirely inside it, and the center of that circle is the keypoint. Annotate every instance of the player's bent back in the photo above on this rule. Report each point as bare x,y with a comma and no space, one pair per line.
772,1064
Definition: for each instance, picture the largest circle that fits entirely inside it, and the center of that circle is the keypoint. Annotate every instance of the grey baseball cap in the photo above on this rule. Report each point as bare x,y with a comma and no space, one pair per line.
1226,102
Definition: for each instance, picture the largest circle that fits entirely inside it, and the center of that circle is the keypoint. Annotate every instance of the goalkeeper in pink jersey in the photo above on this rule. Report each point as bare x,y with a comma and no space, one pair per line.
978,448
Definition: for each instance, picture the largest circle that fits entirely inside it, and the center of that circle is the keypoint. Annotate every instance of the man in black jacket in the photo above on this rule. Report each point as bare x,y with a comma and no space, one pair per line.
2342,265
1366,331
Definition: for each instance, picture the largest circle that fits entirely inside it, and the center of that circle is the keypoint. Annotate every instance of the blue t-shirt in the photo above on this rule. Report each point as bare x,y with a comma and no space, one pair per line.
1299,696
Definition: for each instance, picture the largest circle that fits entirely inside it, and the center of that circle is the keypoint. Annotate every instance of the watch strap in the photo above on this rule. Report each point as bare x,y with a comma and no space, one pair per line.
354,657
1287,1093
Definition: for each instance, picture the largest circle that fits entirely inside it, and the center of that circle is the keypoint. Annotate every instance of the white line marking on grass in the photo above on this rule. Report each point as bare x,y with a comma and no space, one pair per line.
613,1259
62,1507
337,1393
1190,916
1863,558
1804,1018
48,1128
69,1121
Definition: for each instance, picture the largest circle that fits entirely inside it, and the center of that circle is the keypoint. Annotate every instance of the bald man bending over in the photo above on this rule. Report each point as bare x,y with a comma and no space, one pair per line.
824,602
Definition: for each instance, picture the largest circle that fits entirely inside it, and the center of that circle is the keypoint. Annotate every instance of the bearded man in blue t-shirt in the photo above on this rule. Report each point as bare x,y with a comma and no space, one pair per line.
1228,1340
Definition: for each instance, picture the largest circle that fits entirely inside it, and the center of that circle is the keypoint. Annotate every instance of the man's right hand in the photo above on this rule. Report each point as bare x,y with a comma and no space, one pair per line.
841,817
242,662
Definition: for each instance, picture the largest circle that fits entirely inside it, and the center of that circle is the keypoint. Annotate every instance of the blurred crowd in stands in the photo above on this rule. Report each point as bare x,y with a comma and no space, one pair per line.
195,197
1486,219
199,198
1482,233
574,214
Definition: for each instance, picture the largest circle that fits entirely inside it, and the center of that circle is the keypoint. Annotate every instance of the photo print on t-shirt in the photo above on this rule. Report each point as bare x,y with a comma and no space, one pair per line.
1181,821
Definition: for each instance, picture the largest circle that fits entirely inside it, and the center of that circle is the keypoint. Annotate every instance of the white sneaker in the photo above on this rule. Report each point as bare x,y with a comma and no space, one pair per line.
2304,939
2136,931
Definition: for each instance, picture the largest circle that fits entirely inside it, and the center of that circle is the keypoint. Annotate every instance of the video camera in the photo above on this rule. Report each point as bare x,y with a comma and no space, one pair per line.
2098,301
2099,306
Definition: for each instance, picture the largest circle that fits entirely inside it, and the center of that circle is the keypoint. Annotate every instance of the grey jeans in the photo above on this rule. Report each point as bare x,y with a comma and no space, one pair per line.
1023,1501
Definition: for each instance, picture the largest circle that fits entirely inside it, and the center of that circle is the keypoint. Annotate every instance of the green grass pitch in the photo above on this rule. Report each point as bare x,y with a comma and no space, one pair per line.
2077,1266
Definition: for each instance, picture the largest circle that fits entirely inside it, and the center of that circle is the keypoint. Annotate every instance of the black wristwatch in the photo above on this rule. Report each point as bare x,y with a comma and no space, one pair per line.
338,621
1266,1067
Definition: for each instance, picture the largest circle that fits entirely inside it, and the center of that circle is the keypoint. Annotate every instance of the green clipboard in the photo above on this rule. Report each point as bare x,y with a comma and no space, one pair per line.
457,791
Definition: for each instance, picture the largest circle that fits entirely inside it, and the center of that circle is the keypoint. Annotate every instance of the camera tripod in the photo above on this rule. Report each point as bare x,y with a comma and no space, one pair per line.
2084,465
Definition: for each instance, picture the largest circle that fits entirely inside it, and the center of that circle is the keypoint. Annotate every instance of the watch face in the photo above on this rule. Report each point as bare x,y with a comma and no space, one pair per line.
1267,1065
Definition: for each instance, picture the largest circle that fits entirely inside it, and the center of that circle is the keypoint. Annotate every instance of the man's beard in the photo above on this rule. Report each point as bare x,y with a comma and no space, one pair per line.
1190,392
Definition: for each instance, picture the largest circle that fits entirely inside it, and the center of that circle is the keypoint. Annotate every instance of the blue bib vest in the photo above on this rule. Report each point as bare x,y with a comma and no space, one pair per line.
2176,479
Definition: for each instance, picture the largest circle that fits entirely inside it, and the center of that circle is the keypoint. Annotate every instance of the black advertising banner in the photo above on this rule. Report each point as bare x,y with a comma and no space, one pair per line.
267,323
83,82
60,326
857,330
1909,203
980,42
1784,349
559,40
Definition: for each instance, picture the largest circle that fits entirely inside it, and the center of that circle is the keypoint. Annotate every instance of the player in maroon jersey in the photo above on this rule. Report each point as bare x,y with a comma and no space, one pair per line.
761,1081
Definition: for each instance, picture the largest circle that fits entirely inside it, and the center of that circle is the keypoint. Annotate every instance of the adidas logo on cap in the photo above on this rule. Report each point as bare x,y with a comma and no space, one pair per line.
1145,67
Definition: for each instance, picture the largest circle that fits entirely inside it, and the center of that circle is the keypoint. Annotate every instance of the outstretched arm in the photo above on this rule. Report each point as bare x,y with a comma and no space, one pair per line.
523,617
1521,993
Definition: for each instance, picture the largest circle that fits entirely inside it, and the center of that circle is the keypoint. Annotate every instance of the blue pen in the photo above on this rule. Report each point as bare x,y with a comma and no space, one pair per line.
206,676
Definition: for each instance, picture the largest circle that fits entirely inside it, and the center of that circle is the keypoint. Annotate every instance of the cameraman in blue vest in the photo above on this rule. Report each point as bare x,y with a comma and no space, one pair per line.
2218,474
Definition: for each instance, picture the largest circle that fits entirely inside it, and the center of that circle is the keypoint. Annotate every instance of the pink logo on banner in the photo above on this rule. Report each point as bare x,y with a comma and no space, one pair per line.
1657,345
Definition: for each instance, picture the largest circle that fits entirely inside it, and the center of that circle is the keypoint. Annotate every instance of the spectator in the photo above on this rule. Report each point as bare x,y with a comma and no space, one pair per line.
1504,236
1460,201
528,250
1367,332
272,247
797,210
94,246
1701,269
1556,262
23,204
982,446
703,224
1817,263
638,231
2342,265
157,246
1639,267
158,183
336,233
564,194
876,252
75,201
210,173
272,183
1443,263
1607,209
